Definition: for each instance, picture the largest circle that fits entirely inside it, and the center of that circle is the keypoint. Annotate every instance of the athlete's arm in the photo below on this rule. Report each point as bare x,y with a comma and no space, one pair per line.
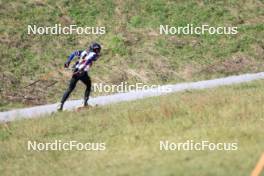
71,57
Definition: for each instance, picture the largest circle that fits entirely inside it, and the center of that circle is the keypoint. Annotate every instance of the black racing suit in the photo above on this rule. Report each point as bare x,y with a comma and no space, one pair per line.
83,76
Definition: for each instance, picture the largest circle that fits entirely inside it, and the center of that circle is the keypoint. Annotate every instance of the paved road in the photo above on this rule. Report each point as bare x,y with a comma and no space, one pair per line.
42,111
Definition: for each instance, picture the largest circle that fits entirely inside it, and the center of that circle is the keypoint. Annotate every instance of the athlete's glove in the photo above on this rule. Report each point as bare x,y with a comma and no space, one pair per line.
66,64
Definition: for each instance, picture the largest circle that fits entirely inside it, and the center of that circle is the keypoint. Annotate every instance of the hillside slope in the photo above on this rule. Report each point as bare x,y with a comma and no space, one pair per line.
133,50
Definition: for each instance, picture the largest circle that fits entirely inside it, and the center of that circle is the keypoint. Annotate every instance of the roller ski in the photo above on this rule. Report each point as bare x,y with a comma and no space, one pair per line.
84,107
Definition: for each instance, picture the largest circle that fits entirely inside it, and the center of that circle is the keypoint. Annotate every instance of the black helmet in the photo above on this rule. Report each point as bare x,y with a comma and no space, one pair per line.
95,46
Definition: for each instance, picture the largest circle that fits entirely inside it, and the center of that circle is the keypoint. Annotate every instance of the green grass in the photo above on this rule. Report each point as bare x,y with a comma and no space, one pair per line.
132,43
11,105
132,132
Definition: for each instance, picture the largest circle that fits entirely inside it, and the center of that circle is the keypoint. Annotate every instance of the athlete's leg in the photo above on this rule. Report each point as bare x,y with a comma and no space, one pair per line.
67,93
87,81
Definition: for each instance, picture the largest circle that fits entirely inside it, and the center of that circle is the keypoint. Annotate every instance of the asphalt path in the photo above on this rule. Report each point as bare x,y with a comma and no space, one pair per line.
44,110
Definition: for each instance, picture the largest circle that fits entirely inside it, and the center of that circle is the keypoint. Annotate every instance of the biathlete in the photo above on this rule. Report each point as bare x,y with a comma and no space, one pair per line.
80,68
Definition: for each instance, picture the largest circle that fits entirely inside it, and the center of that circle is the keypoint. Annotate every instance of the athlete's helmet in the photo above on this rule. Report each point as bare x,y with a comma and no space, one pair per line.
95,47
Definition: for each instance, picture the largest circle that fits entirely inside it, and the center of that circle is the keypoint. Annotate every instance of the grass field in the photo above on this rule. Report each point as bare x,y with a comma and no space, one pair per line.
133,50
132,132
